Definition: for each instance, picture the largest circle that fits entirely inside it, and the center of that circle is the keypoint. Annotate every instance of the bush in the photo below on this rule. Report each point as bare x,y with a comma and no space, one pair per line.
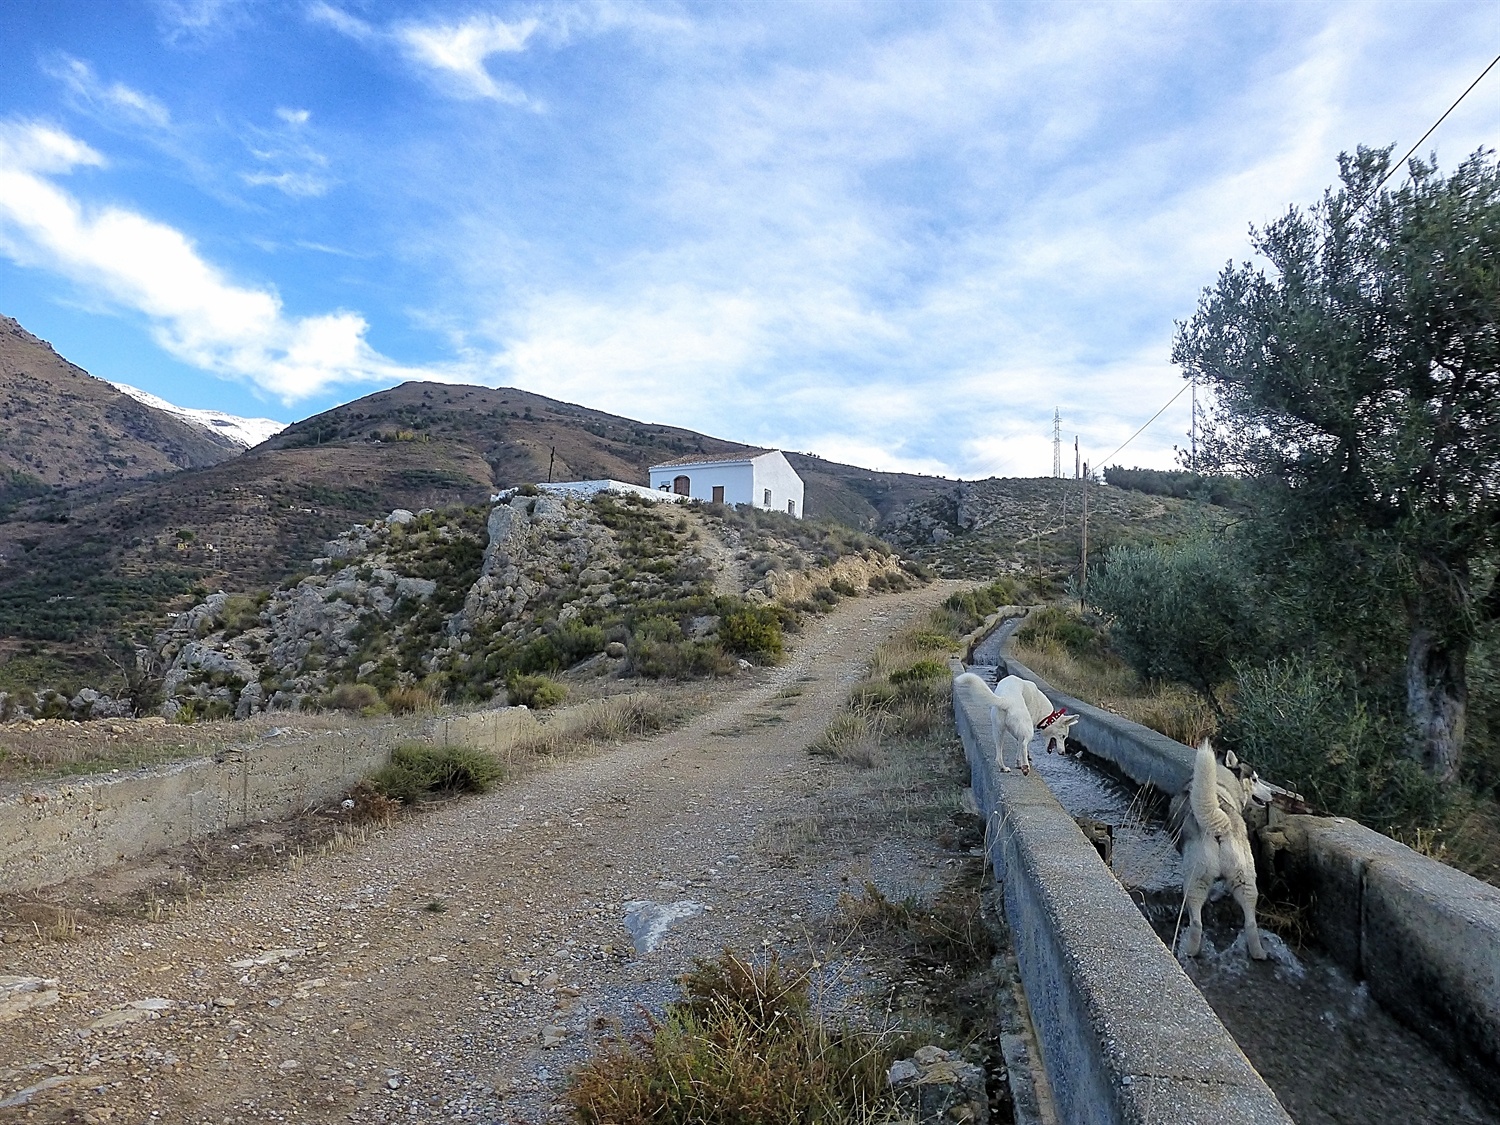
743,1047
844,587
921,670
536,692
1053,623
410,700
676,660
352,697
1303,724
1182,612
754,631
418,771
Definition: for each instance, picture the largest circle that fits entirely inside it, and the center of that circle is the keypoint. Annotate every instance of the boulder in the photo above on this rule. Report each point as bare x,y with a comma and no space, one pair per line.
399,517
937,1087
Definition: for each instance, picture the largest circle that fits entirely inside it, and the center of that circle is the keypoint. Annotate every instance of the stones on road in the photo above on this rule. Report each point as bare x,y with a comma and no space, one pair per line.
21,994
648,922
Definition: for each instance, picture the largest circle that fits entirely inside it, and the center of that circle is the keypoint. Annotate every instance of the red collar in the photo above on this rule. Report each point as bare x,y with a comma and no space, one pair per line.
1050,719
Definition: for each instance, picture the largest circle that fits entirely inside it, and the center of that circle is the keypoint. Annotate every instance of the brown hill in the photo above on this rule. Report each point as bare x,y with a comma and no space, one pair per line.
59,425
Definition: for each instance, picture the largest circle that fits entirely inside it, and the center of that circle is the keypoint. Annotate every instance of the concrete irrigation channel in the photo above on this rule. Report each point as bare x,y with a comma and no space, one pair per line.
1386,1010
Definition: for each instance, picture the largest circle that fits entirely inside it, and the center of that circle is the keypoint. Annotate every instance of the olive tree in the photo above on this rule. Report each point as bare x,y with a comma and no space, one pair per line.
1356,379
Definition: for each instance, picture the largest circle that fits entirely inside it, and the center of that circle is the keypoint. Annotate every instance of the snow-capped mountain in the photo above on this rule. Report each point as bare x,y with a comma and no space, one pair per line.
242,431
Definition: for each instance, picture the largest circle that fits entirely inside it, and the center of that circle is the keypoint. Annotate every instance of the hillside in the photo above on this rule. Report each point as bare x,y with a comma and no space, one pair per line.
59,425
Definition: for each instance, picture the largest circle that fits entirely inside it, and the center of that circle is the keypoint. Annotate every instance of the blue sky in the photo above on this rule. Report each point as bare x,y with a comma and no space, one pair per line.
892,234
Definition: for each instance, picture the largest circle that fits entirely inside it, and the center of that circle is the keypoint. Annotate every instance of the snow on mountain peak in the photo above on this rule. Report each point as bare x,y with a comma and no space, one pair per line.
242,431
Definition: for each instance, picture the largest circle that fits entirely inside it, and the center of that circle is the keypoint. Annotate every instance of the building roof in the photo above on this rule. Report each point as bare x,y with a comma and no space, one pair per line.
712,458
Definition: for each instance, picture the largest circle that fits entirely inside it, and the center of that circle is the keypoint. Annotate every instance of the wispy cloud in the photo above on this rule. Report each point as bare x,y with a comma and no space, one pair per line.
289,162
458,52
197,313
114,98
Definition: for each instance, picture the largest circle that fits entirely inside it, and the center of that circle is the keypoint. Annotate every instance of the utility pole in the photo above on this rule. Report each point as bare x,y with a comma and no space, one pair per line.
1193,428
1083,569
552,460
1077,465
1056,442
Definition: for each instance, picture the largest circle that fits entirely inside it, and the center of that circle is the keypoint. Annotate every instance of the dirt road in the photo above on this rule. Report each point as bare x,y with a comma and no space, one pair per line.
455,966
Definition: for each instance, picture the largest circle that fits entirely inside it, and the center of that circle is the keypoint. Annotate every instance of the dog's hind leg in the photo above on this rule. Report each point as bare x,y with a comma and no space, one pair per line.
1246,895
1194,895
997,732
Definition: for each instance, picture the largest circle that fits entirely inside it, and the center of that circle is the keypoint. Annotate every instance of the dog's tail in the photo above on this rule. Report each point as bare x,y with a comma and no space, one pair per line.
1204,791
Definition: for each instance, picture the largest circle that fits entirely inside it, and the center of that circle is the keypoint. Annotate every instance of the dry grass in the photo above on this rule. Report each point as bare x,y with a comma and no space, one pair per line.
1108,682
744,1046
1468,837
603,722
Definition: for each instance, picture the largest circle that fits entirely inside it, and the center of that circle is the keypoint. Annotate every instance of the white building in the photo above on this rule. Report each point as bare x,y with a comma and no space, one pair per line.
759,477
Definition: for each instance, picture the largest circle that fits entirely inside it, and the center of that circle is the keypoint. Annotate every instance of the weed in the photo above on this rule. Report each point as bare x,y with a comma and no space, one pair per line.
536,692
743,1047
419,771
436,906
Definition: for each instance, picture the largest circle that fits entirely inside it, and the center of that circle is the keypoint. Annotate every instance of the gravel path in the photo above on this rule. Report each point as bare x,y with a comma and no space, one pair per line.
454,967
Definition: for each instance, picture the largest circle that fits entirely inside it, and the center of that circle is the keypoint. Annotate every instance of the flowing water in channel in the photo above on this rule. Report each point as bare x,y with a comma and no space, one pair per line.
1331,1053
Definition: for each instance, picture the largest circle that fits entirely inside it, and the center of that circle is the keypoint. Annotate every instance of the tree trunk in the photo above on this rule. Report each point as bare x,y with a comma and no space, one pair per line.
1435,699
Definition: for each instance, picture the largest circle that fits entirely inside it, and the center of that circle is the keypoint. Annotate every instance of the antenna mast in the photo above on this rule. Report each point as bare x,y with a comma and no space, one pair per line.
1056,442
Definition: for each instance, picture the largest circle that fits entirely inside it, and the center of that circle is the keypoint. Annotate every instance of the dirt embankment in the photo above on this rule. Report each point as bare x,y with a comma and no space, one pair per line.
454,966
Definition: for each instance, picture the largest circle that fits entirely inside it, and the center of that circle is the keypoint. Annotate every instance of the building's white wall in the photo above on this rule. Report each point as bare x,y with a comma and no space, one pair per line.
773,472
743,483
736,479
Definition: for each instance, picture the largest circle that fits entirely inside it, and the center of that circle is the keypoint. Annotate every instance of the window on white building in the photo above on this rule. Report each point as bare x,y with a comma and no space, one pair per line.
766,503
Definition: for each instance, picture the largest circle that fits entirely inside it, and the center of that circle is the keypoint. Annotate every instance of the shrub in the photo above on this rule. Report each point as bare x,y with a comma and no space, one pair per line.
1053,623
418,771
1302,723
843,587
743,1047
409,700
351,697
676,660
824,597
753,631
921,670
536,692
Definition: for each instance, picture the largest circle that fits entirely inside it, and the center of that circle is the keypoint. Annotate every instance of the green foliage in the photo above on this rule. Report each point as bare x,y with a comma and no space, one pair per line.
1180,612
536,692
352,697
754,631
418,771
1064,627
843,587
676,660
921,670
743,1047
1221,489
972,606
1355,383
1305,724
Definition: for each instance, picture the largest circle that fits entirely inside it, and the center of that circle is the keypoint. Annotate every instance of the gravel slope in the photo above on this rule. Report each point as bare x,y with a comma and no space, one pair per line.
454,966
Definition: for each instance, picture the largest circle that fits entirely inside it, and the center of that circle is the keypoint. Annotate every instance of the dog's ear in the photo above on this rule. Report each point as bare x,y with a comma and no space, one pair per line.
1230,759
1205,744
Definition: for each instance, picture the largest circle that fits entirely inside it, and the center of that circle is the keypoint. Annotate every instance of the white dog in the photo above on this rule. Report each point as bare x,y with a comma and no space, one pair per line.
1017,707
1208,824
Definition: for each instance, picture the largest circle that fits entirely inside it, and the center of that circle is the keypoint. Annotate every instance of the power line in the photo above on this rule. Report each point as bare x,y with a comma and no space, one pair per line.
1402,162
1139,432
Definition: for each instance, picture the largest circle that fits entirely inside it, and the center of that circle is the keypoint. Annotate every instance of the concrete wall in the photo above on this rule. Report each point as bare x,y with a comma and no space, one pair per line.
1422,935
1125,1035
496,731
62,830
587,488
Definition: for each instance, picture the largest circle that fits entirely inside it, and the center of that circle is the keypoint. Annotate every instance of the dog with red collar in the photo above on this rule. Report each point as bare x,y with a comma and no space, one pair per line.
1018,708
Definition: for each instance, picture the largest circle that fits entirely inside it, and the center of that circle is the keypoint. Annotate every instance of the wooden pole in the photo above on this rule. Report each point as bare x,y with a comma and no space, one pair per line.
1083,570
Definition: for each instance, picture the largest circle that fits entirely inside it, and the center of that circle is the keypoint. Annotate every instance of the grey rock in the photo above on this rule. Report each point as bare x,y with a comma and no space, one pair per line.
937,1087
614,650
648,922
399,516
22,993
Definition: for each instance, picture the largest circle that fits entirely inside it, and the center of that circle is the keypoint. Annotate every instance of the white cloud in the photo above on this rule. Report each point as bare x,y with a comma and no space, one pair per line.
293,117
341,21
197,313
115,98
458,52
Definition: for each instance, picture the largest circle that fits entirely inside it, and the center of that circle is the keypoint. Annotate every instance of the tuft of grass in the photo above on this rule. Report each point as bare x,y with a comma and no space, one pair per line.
410,701
535,691
419,772
744,1046
436,906
616,719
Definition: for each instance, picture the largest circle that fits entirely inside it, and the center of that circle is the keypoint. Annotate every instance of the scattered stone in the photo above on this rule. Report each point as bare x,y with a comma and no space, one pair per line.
520,976
936,1087
21,1097
288,1065
553,1035
223,1001
647,922
20,994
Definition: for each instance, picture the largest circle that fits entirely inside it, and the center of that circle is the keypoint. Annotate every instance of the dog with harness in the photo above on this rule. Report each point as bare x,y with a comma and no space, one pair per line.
1017,707
1207,823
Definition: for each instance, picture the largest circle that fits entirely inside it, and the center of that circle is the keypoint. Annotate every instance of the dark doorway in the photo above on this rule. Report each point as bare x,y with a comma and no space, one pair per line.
718,494
682,486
